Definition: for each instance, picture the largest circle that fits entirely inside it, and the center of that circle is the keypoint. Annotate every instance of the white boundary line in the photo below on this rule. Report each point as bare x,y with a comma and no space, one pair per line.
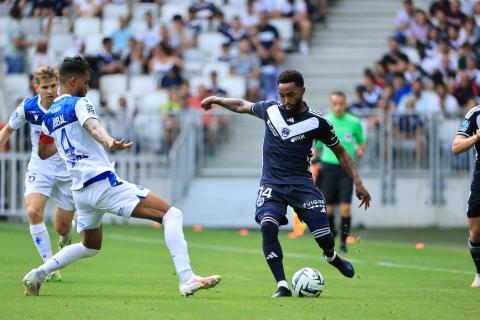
420,268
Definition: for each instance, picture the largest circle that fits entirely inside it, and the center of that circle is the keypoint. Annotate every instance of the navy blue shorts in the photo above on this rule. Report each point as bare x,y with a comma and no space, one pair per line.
307,201
473,210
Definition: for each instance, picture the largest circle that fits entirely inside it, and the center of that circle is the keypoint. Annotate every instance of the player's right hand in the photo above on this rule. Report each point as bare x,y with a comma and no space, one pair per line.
116,145
207,103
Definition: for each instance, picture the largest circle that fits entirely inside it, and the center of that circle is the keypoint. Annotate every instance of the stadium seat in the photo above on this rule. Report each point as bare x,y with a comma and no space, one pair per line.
16,84
171,9
115,83
234,85
59,43
231,11
211,42
93,44
222,69
112,100
3,32
285,29
109,25
32,28
196,81
86,27
150,139
59,25
194,59
114,11
238,3
139,10
94,96
140,85
152,101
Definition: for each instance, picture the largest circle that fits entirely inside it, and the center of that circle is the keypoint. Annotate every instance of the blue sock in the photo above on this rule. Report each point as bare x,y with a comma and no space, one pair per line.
271,247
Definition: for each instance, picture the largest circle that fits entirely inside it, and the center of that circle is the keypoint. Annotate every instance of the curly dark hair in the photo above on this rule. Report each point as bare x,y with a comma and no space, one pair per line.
73,66
291,76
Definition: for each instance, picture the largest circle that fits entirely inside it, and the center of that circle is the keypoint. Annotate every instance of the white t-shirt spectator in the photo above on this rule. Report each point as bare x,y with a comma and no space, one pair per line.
402,18
449,108
288,9
149,36
41,60
467,6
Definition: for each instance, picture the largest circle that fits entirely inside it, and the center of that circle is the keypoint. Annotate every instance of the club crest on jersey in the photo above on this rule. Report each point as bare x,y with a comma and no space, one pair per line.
465,125
90,109
260,201
285,132
35,116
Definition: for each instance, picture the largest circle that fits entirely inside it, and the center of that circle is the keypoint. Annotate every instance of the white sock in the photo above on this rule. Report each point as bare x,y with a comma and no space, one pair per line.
41,240
66,256
282,283
175,240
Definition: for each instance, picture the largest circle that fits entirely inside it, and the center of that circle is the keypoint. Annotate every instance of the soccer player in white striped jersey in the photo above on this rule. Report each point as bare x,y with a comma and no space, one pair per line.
44,179
81,142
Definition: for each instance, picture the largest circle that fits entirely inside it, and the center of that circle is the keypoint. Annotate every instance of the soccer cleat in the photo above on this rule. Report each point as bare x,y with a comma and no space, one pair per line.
32,283
345,267
476,281
66,240
282,292
54,276
197,283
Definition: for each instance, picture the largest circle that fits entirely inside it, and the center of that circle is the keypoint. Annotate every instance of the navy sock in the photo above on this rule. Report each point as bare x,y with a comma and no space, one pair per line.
345,227
331,222
271,247
475,252
325,240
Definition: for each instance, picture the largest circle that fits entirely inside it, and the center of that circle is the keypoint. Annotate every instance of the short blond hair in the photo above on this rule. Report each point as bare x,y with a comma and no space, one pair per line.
43,73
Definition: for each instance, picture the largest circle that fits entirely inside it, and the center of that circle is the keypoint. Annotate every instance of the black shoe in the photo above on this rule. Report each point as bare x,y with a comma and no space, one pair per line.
343,247
282,292
343,266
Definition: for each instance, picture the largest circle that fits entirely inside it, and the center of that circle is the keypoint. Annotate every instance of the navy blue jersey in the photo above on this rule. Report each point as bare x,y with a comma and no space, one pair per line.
287,145
469,127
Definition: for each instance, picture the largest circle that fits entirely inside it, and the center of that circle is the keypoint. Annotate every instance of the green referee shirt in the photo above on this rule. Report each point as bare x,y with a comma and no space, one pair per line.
349,131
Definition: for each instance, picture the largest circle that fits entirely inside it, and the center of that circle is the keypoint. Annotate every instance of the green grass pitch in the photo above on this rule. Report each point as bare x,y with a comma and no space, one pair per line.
133,278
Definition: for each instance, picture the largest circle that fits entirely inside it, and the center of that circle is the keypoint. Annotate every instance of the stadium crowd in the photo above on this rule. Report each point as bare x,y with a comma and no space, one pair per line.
160,58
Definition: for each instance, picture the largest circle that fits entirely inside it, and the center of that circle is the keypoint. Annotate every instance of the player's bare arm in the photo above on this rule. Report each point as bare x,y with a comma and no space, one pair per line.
5,134
349,166
46,147
463,143
99,133
232,104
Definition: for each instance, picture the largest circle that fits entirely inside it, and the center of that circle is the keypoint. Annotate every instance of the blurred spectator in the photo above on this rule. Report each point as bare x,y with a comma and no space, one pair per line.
296,11
250,17
403,21
467,6
237,32
182,35
412,73
41,57
173,103
148,32
469,31
123,116
455,40
121,36
440,23
247,64
17,45
443,5
455,17
360,104
204,9
78,49
193,23
170,121
445,72
418,30
171,80
476,13
472,70
420,100
87,8
465,89
108,61
225,54
393,57
162,61
444,102
48,8
215,88
221,25
381,75
371,93
400,88
134,60
166,40
464,52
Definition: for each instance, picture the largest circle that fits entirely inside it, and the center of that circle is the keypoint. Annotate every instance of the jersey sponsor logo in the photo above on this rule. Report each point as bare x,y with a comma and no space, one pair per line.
75,158
31,178
465,124
35,116
272,129
58,121
311,204
291,120
296,129
90,109
260,201
297,138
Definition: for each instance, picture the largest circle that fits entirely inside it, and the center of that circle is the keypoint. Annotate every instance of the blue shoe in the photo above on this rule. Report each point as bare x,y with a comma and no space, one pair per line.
345,267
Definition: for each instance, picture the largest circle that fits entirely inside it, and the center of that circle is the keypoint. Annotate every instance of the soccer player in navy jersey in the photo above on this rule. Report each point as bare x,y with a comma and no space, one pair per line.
291,128
469,136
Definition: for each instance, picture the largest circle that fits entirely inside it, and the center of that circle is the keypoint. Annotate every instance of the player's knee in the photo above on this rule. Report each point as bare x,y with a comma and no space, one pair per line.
269,224
35,214
173,214
62,228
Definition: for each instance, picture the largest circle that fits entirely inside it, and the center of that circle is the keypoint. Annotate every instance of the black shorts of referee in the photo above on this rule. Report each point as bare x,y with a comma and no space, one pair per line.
335,184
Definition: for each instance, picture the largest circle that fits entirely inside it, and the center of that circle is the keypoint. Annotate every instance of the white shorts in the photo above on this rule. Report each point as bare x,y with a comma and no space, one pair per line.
119,197
55,187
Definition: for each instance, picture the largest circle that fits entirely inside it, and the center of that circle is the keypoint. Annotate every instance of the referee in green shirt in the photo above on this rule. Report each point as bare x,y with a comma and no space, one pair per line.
335,184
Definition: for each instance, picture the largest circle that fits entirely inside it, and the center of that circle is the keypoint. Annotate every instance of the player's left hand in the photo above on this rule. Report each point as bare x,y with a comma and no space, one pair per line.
117,145
362,194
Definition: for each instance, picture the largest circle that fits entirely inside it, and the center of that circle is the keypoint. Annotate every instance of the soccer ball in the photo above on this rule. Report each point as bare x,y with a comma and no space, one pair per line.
307,282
